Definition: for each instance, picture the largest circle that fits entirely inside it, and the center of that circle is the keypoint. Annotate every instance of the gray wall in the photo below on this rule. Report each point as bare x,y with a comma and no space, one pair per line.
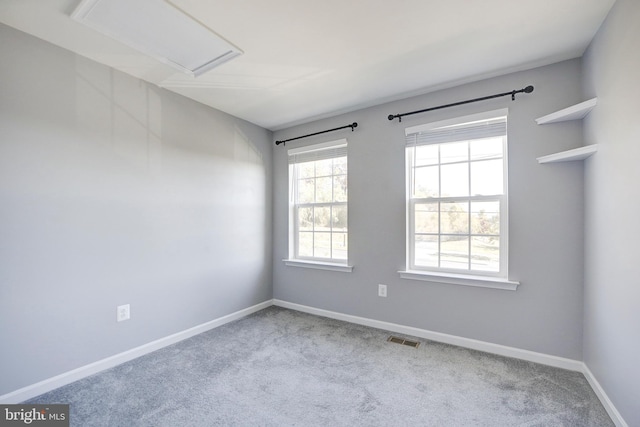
612,176
546,222
114,191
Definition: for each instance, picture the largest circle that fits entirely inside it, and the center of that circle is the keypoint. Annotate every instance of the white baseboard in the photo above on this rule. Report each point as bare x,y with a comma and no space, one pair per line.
49,384
604,399
531,356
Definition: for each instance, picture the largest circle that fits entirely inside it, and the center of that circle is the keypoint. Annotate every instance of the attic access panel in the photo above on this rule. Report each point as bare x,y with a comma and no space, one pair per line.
160,30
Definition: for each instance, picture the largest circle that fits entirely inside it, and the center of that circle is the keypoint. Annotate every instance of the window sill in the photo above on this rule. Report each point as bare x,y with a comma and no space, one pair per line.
318,265
461,279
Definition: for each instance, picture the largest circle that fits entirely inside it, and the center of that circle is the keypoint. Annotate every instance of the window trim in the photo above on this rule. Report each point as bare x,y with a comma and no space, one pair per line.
345,268
317,147
497,279
461,279
313,262
486,115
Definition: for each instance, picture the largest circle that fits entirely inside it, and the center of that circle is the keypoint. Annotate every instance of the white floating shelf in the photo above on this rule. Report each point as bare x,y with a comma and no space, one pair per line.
570,155
575,112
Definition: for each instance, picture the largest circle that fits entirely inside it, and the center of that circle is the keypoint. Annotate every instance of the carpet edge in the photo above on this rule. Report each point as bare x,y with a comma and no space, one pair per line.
502,350
527,355
36,389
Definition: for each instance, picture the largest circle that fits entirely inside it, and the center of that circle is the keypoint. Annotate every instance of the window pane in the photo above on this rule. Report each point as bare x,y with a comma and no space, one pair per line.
320,206
324,167
454,252
339,218
426,251
426,155
454,152
455,180
322,218
488,148
324,190
340,188
456,193
340,165
454,218
339,243
426,182
305,219
486,178
485,218
322,245
426,218
306,190
306,170
305,244
485,253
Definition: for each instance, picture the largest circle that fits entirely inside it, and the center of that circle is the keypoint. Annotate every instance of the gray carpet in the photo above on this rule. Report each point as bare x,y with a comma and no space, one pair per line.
280,367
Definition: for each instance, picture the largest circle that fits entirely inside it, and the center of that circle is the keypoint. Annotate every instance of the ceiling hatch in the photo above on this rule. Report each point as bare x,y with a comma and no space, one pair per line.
160,30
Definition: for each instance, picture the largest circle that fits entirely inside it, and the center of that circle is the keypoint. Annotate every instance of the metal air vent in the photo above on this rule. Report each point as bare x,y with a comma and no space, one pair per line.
403,341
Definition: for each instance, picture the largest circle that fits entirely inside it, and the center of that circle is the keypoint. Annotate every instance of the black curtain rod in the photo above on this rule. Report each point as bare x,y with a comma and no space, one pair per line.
352,126
527,89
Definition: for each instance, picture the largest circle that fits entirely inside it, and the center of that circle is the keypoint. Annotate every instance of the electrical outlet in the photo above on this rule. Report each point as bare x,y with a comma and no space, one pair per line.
382,290
123,312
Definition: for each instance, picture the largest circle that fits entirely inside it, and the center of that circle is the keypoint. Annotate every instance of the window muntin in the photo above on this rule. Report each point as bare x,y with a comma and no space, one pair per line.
457,196
319,203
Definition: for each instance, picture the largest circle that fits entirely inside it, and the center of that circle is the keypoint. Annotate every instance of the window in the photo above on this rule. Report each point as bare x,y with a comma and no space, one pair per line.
318,207
457,196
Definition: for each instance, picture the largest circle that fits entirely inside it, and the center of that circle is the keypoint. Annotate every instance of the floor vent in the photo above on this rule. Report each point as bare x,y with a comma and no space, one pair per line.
402,341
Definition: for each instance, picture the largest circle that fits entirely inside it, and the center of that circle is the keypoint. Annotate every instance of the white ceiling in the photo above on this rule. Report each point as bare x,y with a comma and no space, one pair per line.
307,59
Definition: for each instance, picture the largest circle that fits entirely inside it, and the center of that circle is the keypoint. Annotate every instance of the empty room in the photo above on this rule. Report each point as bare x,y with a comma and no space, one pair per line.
319,213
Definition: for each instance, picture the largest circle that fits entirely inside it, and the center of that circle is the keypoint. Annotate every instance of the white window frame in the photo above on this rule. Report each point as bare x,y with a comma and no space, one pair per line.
497,280
294,259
